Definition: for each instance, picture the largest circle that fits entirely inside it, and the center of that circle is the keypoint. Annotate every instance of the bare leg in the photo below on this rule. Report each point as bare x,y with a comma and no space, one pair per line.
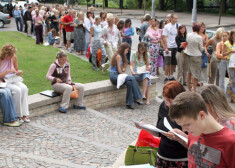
189,81
172,69
145,86
166,70
195,84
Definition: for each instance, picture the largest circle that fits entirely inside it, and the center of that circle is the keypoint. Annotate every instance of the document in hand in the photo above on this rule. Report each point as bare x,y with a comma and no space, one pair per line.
168,126
150,127
167,55
142,69
3,84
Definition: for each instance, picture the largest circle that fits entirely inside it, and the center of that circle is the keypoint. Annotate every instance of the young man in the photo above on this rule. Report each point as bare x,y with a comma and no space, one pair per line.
28,19
209,144
169,45
69,29
145,25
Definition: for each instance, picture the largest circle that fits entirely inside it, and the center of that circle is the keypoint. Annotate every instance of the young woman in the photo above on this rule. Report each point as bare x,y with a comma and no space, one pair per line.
170,153
97,43
204,77
11,74
52,37
89,21
38,21
180,56
214,78
103,16
223,65
156,60
139,59
79,34
127,32
119,61
59,75
229,48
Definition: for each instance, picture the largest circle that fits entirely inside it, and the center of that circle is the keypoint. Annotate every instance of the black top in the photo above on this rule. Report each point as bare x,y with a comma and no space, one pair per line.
168,148
179,40
28,16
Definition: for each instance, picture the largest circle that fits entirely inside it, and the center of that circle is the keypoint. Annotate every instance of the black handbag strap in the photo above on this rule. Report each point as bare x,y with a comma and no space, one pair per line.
136,150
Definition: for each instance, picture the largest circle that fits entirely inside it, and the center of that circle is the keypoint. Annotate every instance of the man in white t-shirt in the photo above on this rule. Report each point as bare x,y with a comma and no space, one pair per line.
169,44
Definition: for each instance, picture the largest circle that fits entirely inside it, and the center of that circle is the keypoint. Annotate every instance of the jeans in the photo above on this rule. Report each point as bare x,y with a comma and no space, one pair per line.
7,106
18,20
223,65
133,91
129,41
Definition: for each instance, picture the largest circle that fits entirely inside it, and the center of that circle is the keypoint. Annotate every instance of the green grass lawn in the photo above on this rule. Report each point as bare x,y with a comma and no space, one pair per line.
35,60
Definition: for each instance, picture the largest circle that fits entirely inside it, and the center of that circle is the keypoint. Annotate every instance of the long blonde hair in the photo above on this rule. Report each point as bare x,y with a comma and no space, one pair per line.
216,99
145,55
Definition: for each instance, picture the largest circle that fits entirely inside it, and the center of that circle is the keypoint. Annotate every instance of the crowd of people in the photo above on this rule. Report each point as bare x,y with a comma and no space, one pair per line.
201,114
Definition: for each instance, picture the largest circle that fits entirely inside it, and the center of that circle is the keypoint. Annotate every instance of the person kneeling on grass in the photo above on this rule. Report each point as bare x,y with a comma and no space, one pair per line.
59,75
209,143
52,37
8,109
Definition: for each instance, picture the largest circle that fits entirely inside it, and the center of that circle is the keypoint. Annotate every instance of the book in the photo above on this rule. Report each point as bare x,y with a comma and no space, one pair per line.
150,127
49,93
142,69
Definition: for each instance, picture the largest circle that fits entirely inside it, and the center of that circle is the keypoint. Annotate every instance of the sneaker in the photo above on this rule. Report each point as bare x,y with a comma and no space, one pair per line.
79,107
62,110
166,80
172,79
20,120
26,119
14,124
70,50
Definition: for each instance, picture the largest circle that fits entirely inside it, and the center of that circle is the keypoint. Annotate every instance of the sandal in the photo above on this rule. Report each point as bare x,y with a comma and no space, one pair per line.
13,124
147,102
26,119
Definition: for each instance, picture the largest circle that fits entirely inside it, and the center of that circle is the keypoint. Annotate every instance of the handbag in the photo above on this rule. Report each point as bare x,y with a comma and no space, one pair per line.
204,60
140,155
74,93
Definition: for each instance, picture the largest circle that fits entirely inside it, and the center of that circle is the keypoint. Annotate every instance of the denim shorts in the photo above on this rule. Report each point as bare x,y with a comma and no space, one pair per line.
141,77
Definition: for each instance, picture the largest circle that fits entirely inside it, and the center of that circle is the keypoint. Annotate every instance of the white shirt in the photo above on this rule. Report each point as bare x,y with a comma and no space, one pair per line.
195,45
170,30
88,24
111,36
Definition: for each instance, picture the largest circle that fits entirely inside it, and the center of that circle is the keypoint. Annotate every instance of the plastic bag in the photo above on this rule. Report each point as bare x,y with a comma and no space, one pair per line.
147,139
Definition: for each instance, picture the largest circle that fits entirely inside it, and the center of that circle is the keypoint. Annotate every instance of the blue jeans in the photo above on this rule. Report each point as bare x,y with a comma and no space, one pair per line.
223,65
133,91
7,106
129,41
18,21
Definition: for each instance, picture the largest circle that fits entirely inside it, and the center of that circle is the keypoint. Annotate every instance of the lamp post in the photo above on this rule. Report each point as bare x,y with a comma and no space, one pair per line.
153,8
194,11
68,3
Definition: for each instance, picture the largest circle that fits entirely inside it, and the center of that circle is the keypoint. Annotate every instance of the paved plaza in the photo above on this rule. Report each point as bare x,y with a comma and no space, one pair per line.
78,139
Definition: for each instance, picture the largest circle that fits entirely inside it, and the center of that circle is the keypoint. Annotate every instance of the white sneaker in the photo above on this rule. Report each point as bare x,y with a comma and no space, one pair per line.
70,50
20,120
27,120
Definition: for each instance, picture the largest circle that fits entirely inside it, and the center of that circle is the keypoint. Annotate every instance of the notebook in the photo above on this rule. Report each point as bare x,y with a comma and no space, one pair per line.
50,93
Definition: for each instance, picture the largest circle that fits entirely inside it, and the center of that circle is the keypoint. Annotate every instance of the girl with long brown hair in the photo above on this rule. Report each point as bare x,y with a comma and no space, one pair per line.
118,63
138,60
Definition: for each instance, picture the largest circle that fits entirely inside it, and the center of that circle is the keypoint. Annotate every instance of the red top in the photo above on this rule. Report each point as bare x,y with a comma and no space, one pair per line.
215,150
67,19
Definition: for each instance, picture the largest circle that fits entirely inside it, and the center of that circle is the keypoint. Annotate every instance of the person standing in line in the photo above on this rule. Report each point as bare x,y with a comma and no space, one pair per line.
169,45
96,43
193,53
229,48
69,28
180,55
223,65
18,18
28,18
214,78
89,21
154,34
38,21
127,32
204,76
110,37
79,34
144,26
103,16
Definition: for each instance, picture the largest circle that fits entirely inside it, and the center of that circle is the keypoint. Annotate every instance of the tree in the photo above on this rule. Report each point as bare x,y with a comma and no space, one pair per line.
106,4
140,4
121,4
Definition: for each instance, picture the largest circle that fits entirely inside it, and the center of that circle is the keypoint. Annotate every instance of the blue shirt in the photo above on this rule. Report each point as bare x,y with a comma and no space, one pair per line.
17,13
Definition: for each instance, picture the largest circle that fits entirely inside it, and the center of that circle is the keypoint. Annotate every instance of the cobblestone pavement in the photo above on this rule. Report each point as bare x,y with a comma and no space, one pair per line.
77,139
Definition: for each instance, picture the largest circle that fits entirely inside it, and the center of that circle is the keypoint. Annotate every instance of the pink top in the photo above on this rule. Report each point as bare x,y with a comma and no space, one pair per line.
6,64
155,35
36,19
124,31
